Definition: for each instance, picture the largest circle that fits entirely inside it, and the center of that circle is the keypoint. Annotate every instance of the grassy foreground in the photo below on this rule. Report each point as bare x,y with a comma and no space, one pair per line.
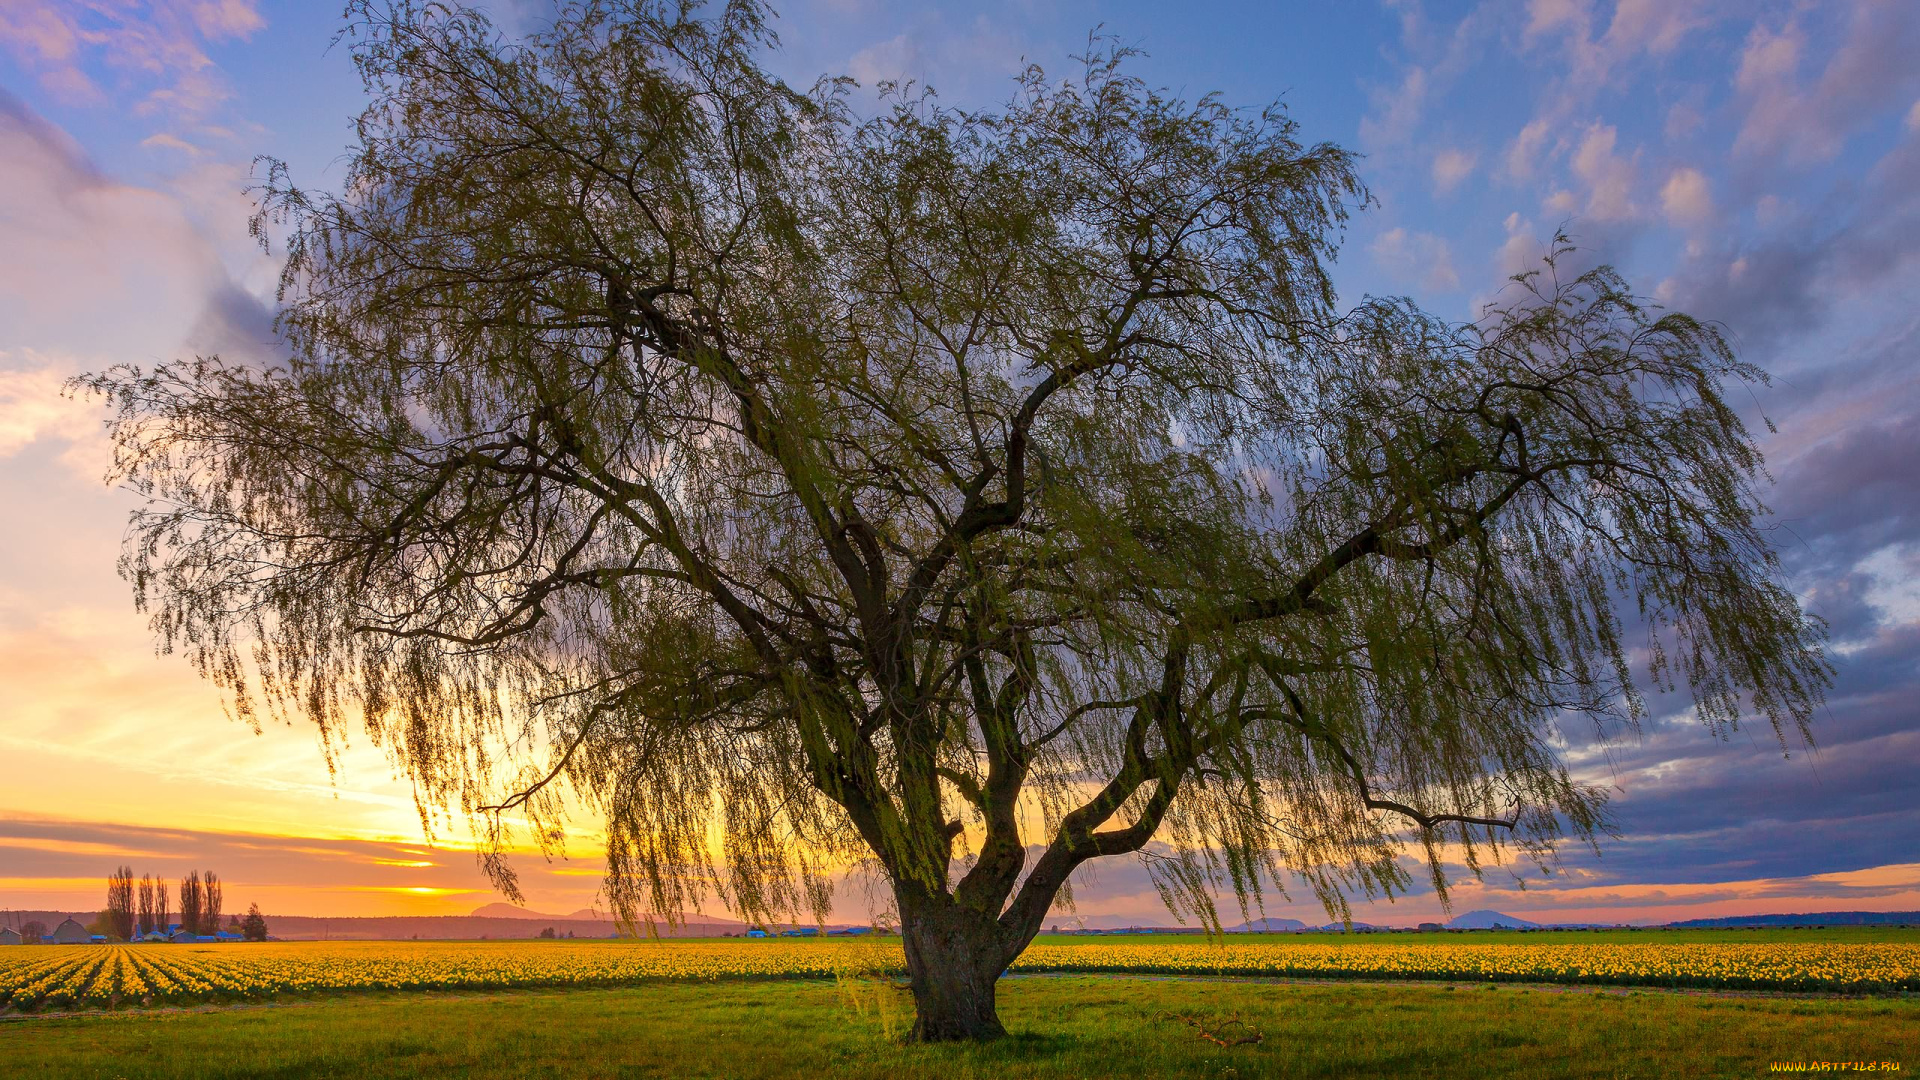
1068,1026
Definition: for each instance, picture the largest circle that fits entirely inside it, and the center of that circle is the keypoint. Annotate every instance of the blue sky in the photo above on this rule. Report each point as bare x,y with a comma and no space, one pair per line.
1750,161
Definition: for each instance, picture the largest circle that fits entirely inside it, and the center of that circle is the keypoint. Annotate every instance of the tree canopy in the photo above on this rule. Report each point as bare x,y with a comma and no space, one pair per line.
791,483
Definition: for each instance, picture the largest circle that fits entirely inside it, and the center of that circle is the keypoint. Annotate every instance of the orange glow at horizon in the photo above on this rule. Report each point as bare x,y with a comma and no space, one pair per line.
336,876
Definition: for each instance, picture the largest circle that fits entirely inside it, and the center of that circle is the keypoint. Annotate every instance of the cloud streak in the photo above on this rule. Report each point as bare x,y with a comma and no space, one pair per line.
155,49
60,864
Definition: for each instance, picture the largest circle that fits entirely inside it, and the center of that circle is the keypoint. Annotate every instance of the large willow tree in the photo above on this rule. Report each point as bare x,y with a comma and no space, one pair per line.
967,495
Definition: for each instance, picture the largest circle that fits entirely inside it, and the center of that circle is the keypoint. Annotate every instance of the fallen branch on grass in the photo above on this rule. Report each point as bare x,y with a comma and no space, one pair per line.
1219,1035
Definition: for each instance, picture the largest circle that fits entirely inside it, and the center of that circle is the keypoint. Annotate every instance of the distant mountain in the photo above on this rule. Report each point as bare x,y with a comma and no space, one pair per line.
1270,926
1295,926
509,911
1486,920
1817,918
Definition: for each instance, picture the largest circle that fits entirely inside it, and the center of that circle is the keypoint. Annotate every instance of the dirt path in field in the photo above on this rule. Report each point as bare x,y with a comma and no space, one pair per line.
1466,984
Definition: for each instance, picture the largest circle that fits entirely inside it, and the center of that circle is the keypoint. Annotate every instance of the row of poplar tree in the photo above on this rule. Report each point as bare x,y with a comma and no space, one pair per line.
145,906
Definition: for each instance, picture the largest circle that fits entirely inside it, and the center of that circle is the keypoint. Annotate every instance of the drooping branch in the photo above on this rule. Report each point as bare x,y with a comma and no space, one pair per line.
1307,725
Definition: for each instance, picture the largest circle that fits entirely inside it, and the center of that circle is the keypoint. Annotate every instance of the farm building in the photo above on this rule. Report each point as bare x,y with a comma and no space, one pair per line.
10,936
70,933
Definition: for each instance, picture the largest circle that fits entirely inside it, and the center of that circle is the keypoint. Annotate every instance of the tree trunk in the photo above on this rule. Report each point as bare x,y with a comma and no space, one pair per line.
954,958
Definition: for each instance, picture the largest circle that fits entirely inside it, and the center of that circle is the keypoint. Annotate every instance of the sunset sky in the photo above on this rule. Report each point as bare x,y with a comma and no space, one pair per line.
1755,162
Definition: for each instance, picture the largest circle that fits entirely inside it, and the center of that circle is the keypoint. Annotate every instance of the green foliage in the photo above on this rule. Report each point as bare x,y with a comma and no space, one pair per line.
873,1001
255,926
789,488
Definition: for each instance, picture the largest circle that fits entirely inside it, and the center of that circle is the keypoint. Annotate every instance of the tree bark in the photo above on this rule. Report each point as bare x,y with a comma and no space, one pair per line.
955,956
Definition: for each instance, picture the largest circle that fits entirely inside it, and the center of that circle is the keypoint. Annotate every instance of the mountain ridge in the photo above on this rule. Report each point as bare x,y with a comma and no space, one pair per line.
1817,918
1487,919
1271,926
511,911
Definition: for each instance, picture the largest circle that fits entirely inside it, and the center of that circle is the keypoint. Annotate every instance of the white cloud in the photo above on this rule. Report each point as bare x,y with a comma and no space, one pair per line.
1687,198
166,141
1416,257
1654,25
1546,16
1395,113
1587,50
1769,56
225,18
1524,155
1913,117
1450,167
102,272
32,406
1638,29
1609,177
959,62
159,45
98,267
893,60
1893,573
44,36
1437,55
1809,119
1522,249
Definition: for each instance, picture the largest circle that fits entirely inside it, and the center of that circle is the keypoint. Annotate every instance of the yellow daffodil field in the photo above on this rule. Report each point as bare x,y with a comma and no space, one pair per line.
121,976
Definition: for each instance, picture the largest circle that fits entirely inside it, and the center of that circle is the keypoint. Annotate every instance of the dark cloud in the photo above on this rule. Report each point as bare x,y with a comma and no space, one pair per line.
1853,493
17,118
300,874
1810,120
53,847
1821,299
1775,288
1693,807
235,325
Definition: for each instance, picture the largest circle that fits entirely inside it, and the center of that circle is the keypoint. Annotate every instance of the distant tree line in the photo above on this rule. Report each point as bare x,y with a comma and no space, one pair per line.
31,929
141,909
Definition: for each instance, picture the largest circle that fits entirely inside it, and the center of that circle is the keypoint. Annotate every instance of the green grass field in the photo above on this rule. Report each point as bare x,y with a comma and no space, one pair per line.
1083,1026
